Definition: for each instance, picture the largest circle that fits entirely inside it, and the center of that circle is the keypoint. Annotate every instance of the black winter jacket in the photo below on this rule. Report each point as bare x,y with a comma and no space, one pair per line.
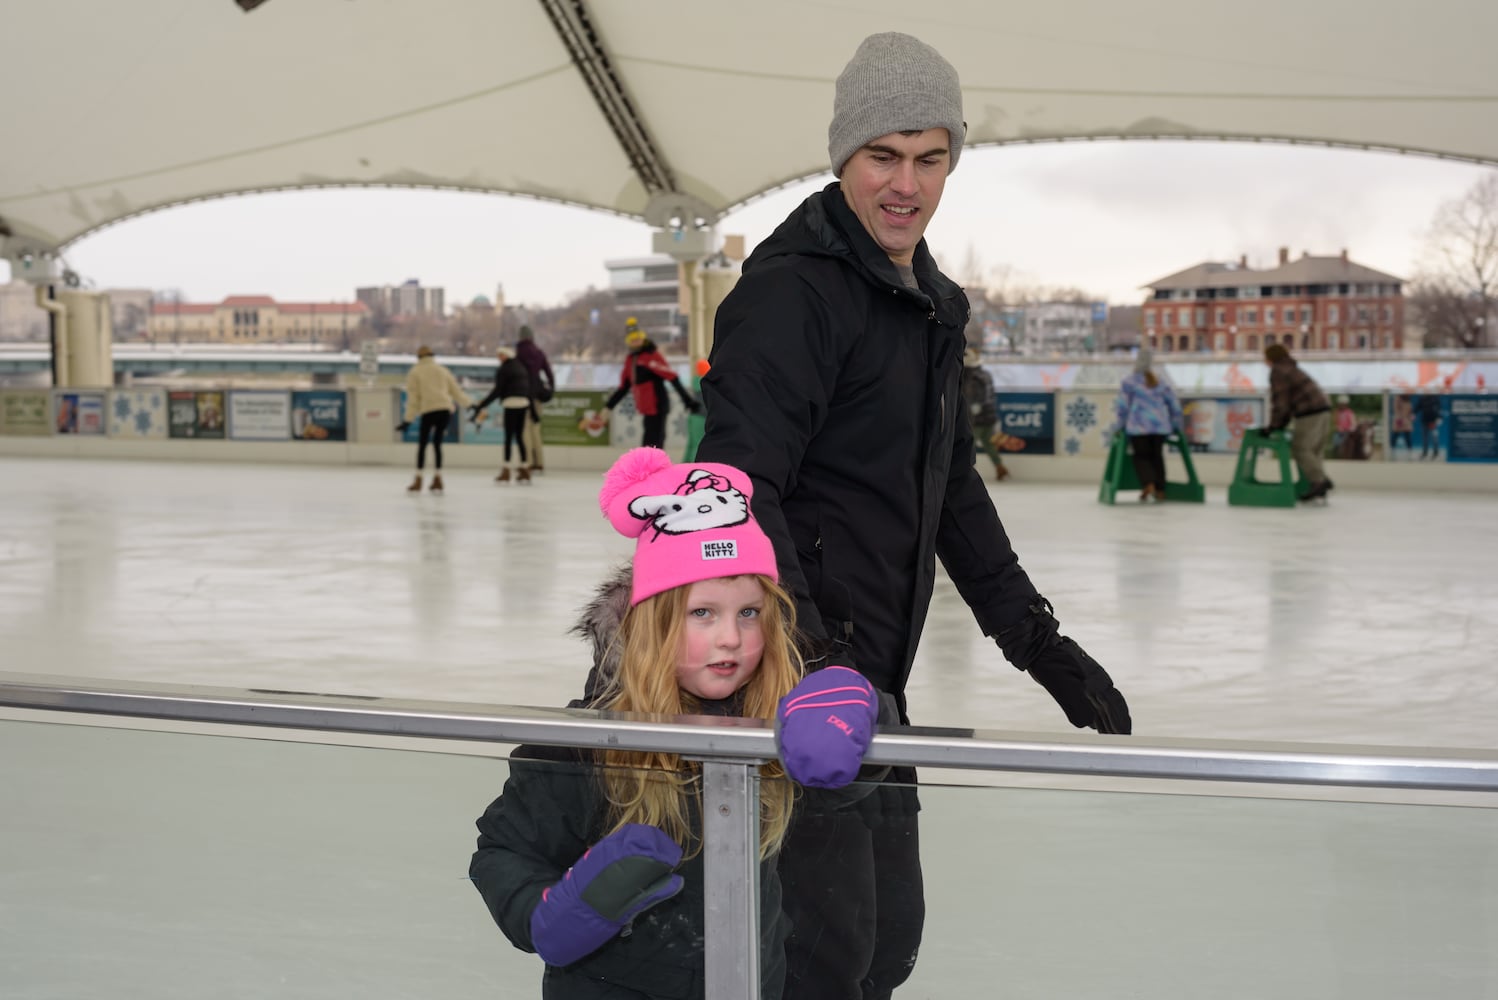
977,393
551,811
511,379
837,389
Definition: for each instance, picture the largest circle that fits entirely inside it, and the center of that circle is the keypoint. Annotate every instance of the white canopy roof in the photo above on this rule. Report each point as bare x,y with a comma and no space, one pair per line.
114,109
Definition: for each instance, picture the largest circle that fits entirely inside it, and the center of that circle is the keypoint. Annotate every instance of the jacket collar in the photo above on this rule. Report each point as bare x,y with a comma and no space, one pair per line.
833,223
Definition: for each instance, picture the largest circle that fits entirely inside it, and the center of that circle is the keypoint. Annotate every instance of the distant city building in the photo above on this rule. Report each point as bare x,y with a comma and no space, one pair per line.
1059,327
1310,304
258,319
20,319
130,312
406,299
649,289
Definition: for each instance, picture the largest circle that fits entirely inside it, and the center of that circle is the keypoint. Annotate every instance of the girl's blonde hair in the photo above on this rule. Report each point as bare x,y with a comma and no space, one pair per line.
661,789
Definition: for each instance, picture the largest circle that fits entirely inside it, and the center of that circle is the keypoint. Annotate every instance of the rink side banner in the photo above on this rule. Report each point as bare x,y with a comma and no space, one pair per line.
1084,417
1027,422
26,412
1473,434
1216,424
78,412
319,415
1419,423
1357,427
137,413
575,417
194,414
259,415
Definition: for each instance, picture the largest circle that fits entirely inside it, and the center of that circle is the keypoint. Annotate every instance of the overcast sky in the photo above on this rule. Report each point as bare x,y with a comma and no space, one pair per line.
1106,217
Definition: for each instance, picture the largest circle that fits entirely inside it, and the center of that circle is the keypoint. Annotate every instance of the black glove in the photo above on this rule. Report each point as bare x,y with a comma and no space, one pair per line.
1079,683
403,425
1265,432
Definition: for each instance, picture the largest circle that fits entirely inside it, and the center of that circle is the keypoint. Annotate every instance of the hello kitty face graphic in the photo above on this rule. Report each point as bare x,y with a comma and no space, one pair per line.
704,501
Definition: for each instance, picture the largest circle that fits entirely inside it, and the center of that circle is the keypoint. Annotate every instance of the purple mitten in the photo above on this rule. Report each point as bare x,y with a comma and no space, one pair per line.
624,873
825,725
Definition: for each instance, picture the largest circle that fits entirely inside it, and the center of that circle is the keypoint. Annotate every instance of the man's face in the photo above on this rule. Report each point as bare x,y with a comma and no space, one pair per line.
894,183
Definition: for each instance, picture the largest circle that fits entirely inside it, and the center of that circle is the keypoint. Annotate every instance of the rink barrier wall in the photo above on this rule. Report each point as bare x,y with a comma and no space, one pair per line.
730,751
1057,435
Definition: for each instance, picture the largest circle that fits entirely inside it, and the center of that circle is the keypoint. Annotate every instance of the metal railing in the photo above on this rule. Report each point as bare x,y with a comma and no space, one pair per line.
730,749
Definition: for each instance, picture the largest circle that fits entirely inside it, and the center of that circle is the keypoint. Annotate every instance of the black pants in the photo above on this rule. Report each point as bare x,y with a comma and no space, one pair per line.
854,895
433,428
1149,458
655,431
515,432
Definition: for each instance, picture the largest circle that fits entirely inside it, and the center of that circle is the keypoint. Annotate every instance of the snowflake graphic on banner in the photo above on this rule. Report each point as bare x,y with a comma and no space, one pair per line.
122,407
1073,446
1081,414
143,422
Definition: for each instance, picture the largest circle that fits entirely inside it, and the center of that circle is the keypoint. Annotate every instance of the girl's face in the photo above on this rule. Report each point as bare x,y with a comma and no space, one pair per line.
721,640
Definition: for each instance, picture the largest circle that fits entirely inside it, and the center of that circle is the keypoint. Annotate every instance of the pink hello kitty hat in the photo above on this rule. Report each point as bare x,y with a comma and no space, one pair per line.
692,521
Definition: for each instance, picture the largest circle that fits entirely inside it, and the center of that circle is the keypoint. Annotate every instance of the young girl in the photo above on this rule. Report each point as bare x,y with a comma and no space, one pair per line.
583,846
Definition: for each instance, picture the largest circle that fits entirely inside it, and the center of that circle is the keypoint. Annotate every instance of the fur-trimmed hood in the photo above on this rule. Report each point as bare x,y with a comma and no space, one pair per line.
599,623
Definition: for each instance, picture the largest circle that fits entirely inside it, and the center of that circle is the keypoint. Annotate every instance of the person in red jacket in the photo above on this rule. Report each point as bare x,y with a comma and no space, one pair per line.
645,375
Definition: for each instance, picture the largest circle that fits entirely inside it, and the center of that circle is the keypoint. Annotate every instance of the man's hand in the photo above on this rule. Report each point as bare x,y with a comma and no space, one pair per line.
1079,683
1082,688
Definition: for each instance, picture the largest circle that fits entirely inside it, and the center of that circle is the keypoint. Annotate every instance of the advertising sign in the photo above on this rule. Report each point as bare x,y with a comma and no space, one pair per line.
182,413
575,417
78,412
137,413
319,415
210,414
491,431
1216,424
259,415
1417,427
1027,422
1357,427
1084,417
1473,436
26,412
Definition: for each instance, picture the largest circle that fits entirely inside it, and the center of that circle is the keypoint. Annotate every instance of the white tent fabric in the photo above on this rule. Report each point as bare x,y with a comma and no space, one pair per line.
114,109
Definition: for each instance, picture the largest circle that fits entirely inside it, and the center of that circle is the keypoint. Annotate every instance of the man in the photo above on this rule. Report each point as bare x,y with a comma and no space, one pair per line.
543,387
982,411
835,384
1295,395
644,378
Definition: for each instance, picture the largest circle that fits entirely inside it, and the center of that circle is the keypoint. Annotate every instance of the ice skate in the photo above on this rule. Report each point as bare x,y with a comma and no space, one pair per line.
436,486
1317,494
415,486
504,475
522,475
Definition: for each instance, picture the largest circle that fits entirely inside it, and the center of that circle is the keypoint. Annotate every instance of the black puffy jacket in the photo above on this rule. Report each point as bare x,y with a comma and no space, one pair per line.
551,811
511,380
837,389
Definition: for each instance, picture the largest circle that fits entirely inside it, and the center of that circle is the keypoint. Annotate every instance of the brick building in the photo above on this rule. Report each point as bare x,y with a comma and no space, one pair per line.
1311,304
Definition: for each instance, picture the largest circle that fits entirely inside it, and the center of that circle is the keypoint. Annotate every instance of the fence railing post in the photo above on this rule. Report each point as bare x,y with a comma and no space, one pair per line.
730,828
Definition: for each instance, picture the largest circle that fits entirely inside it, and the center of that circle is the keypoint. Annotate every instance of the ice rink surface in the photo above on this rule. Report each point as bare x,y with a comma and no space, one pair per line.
1371,621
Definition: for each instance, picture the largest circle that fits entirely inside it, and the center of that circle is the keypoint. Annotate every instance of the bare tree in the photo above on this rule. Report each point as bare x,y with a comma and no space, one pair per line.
1452,297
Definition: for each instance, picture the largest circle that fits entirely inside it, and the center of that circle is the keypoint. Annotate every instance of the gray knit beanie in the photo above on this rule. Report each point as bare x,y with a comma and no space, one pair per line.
894,83
1143,360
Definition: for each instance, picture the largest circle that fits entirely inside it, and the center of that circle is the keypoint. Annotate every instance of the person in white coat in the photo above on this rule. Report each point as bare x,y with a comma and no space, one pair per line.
432,394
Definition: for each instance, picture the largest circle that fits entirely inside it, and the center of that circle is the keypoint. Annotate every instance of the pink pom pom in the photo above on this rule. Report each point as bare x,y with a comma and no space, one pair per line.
633,468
